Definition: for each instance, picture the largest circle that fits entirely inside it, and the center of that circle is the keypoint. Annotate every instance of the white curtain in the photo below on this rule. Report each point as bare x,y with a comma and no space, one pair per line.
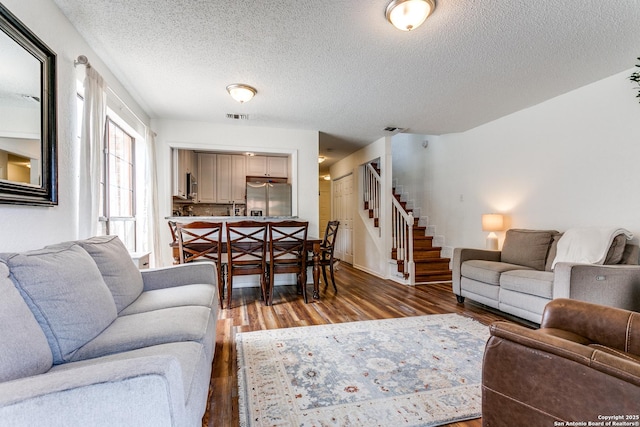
153,208
92,137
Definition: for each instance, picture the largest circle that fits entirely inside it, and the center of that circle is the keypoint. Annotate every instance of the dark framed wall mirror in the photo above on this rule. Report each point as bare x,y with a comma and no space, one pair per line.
28,137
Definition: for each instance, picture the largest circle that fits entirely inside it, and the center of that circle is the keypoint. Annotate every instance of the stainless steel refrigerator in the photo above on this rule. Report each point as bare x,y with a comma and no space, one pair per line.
268,199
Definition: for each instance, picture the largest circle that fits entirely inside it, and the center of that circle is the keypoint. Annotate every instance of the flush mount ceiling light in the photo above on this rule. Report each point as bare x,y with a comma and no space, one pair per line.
321,159
407,15
241,93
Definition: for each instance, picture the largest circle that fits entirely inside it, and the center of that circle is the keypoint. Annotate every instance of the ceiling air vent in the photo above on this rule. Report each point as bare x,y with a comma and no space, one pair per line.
238,116
393,129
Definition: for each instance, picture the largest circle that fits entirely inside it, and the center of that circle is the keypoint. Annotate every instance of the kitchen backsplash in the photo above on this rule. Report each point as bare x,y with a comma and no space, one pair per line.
206,209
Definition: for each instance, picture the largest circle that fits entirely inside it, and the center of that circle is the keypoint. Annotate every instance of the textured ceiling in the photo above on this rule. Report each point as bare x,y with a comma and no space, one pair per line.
340,68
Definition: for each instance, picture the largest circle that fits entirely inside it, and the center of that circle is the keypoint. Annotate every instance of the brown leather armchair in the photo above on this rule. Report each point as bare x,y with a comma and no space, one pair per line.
582,365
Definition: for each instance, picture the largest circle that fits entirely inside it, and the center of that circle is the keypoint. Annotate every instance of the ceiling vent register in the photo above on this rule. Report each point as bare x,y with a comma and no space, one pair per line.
238,116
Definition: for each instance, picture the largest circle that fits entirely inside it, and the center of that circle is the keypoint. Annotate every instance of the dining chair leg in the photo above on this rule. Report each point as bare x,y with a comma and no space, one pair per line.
221,284
229,287
333,280
324,276
302,283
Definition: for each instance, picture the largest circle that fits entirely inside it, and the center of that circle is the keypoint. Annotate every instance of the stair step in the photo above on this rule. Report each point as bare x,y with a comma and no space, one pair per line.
426,253
420,253
434,276
419,230
431,264
422,242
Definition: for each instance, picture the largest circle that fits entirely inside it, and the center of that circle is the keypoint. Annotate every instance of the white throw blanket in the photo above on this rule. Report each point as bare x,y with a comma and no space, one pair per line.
587,245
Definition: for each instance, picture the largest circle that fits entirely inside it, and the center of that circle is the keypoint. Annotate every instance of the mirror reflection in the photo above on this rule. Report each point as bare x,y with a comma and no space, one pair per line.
20,112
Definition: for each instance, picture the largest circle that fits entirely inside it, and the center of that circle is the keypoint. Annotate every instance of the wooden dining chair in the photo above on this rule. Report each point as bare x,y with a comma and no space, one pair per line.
202,240
288,253
246,253
326,252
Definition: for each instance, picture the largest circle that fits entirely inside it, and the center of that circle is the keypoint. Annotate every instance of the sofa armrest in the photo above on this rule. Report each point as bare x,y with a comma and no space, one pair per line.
178,275
611,285
461,255
602,325
626,369
132,392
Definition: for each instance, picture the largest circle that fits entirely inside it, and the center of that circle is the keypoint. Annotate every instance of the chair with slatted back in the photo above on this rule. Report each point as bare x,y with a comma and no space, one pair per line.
201,241
288,253
326,252
174,241
246,253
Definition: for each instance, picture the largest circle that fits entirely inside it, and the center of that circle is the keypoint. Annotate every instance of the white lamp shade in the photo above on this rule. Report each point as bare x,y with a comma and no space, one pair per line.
407,15
241,93
492,222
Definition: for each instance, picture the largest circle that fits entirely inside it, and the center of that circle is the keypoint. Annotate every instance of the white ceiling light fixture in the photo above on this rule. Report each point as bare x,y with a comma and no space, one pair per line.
241,92
321,159
407,15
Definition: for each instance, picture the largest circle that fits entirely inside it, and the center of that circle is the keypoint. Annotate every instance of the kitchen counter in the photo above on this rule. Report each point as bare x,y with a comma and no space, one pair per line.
313,243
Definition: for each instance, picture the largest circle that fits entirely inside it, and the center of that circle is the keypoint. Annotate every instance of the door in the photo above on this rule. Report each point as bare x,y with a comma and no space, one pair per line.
343,212
256,199
279,200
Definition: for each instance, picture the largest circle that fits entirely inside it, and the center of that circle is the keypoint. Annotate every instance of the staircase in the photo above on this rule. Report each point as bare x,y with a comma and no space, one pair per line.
429,265
413,251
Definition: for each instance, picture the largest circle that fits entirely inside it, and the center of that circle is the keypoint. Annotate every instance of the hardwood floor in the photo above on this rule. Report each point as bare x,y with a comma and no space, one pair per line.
360,297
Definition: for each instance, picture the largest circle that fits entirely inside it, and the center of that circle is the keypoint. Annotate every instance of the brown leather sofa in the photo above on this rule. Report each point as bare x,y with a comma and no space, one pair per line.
581,366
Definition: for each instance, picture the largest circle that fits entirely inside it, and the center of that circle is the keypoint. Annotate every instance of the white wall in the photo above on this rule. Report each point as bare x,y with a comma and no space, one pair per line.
570,161
25,227
370,251
301,144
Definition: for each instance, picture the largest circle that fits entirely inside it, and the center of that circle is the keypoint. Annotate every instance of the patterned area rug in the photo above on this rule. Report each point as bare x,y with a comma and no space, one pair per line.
415,371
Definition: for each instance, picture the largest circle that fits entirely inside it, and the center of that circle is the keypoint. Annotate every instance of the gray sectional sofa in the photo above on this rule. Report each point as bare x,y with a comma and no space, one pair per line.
86,339
522,278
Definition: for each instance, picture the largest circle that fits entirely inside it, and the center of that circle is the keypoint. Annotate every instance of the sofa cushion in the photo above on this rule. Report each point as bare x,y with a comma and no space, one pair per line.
614,255
65,292
528,248
24,350
197,294
486,271
189,323
532,282
553,249
118,270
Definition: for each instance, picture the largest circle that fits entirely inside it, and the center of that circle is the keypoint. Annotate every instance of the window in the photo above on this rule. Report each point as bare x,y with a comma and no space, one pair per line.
124,192
118,185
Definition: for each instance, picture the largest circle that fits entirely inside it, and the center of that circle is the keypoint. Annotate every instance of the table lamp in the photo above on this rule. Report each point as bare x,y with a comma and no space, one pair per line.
491,223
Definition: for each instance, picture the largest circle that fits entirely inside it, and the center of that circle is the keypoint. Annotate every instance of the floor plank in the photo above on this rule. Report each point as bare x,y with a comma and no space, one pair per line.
360,296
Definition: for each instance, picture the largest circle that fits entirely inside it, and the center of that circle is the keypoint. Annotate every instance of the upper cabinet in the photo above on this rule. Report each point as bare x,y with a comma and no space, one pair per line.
221,177
230,178
268,166
206,180
184,162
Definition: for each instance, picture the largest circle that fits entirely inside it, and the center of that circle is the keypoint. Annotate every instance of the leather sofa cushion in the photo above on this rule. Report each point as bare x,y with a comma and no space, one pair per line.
486,271
527,248
532,282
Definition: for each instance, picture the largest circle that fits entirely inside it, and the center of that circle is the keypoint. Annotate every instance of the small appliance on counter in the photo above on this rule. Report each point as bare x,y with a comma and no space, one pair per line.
268,197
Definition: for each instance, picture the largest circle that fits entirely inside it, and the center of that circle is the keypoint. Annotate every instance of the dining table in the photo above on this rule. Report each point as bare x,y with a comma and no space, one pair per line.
312,245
